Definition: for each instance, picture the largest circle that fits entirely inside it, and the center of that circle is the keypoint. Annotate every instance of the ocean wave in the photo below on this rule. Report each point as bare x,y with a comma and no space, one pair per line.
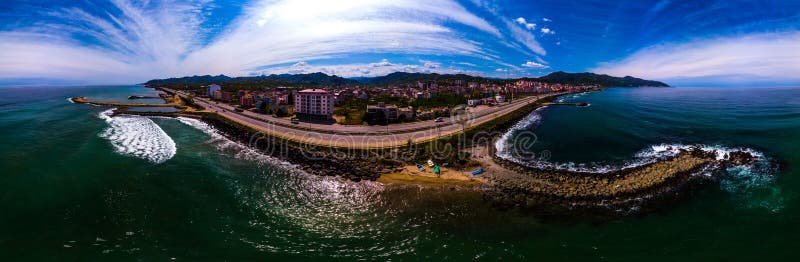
503,145
238,150
69,99
137,136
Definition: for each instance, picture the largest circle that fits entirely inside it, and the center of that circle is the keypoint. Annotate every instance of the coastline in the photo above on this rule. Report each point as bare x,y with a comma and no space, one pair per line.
505,183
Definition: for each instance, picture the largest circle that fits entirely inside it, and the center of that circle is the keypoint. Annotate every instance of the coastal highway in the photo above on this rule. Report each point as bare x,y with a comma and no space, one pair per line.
358,137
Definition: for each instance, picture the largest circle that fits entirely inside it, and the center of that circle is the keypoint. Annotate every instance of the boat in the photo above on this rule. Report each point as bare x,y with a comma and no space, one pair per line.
430,163
420,167
436,169
477,171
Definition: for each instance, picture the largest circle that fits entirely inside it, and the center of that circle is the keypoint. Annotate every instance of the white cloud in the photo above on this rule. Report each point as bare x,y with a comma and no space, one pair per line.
546,19
523,22
382,63
310,30
381,68
137,41
755,57
431,64
547,31
501,70
524,36
161,38
534,65
130,44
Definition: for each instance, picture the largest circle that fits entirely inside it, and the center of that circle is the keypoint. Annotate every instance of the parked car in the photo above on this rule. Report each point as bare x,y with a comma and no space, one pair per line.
295,121
439,119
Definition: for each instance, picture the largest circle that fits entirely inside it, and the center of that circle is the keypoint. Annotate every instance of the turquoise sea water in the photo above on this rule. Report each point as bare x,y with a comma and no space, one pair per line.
80,186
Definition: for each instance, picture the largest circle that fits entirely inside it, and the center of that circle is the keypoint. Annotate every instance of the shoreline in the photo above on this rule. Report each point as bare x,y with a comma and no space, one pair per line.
505,183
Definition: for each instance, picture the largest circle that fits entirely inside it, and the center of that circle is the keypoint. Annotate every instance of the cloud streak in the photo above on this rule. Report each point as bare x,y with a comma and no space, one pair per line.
772,57
130,41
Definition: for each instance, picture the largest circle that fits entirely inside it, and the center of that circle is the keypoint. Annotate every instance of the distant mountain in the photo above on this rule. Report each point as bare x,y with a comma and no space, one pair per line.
313,79
321,79
596,79
316,79
557,77
403,77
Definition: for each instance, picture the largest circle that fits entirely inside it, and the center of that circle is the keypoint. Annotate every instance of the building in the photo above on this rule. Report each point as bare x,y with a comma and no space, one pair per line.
382,113
247,101
212,88
407,113
500,98
314,104
263,103
222,95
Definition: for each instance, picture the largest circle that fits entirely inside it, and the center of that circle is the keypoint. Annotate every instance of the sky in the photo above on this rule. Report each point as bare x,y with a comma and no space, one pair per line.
126,41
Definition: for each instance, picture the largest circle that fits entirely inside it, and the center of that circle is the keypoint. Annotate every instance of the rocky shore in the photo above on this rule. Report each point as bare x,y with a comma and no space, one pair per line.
626,191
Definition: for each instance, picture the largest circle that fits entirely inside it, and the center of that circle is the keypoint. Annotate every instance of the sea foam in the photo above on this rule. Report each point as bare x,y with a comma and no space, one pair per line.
238,150
138,136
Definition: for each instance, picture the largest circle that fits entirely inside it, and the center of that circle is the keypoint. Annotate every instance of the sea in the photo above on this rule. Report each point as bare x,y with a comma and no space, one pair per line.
79,185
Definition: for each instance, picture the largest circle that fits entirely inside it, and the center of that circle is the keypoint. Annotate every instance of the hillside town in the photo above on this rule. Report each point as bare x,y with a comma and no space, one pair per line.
356,105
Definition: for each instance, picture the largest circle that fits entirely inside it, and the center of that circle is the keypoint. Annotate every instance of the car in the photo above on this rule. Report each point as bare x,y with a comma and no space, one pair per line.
295,121
439,119
274,115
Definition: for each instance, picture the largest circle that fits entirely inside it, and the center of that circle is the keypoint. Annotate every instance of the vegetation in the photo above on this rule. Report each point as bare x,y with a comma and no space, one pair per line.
397,78
442,99
403,77
595,79
253,83
353,110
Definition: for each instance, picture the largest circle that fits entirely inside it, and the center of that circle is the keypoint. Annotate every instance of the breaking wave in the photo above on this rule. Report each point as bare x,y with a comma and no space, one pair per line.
238,150
504,145
138,136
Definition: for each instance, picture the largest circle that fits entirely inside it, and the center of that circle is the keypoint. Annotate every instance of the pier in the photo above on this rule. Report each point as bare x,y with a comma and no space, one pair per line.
171,101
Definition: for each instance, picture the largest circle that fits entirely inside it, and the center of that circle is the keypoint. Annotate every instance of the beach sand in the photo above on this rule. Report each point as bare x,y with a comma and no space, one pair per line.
410,175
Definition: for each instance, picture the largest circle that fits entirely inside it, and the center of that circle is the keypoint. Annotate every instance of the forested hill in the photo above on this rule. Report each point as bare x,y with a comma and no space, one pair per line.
321,79
310,80
597,79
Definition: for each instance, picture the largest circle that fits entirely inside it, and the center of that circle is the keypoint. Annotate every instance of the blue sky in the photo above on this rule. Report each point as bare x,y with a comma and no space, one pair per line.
127,41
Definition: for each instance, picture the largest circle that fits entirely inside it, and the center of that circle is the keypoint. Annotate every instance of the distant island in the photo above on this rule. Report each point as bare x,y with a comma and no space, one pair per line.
397,78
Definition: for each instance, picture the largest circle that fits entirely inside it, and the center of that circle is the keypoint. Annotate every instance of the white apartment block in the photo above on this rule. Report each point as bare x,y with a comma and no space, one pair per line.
314,104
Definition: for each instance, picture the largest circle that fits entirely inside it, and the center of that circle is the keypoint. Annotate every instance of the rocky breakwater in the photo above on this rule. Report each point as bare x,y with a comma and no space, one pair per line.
350,164
625,191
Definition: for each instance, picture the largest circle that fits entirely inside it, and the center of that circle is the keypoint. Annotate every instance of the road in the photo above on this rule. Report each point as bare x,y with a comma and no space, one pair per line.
358,137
